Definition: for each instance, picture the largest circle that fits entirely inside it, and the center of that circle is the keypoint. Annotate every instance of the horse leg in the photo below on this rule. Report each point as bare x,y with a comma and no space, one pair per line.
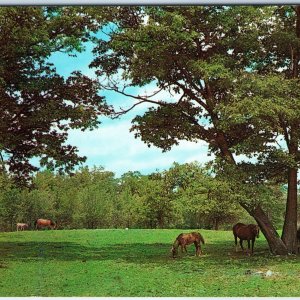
241,243
197,248
185,249
248,250
252,245
235,241
200,250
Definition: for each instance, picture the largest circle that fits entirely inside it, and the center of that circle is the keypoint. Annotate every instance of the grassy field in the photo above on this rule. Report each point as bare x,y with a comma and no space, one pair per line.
138,263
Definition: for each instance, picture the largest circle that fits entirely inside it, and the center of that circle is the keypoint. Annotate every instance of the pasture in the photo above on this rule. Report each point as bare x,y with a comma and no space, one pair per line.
138,263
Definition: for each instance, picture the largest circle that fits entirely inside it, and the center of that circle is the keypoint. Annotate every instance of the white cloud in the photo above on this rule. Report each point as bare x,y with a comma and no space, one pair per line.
112,145
115,148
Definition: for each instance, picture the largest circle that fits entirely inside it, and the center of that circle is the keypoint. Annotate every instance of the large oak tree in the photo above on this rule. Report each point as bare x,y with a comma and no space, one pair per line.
203,56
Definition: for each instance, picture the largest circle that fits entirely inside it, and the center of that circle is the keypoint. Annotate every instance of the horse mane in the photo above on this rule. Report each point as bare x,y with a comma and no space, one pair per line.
201,238
254,228
176,243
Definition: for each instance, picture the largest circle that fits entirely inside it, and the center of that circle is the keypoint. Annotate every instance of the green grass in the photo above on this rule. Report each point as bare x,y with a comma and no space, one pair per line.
138,263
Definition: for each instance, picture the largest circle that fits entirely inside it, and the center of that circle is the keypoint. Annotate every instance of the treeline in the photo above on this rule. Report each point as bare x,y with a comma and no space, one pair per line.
185,196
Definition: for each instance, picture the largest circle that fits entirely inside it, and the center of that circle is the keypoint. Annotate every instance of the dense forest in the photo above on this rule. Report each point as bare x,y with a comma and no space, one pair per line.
185,196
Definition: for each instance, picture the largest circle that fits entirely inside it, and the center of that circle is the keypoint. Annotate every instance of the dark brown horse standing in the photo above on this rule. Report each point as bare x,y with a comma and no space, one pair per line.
245,233
185,239
44,223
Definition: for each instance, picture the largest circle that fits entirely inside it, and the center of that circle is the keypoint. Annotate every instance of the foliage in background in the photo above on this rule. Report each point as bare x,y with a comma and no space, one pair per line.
185,196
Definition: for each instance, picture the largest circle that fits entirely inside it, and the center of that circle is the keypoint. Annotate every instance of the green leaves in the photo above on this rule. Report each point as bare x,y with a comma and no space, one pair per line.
166,125
38,106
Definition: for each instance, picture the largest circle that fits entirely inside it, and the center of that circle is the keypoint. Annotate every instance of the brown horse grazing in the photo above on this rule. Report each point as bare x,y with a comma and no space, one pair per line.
22,226
245,232
185,239
44,223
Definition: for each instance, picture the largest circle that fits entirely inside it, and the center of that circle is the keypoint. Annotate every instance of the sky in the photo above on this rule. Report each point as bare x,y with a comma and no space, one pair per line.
112,145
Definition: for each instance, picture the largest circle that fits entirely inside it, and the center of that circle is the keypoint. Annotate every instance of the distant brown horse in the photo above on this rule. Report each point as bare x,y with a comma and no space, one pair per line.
44,223
185,239
245,232
22,226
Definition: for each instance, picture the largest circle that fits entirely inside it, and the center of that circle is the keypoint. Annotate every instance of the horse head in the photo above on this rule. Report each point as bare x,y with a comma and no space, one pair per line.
53,225
173,251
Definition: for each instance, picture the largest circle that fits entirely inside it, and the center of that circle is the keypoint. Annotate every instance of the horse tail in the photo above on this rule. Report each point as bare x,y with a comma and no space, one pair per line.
201,238
35,222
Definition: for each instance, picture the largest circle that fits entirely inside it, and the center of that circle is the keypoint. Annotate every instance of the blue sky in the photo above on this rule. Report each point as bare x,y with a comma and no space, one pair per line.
112,145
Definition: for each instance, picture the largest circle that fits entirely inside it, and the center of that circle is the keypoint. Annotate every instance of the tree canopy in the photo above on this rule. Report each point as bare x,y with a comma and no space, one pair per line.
38,106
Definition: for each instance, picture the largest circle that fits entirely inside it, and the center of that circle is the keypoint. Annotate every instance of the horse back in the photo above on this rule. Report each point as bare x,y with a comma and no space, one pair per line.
44,222
236,227
189,238
247,232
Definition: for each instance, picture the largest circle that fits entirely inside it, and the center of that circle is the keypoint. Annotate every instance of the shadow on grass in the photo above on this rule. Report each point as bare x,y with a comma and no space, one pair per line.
66,251
216,255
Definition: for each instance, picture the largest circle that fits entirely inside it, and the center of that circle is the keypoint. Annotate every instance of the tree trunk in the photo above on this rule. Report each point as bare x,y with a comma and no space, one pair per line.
160,220
276,245
216,225
290,222
289,233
